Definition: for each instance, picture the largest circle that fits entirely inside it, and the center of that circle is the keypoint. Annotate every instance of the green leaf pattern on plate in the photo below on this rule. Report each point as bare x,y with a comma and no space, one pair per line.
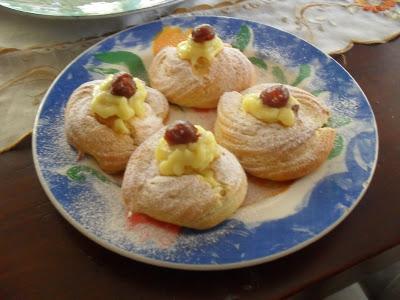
79,173
338,145
316,93
258,62
304,72
279,75
337,121
103,71
131,60
242,38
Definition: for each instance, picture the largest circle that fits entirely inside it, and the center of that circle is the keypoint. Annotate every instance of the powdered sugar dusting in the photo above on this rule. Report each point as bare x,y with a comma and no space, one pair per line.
98,206
92,199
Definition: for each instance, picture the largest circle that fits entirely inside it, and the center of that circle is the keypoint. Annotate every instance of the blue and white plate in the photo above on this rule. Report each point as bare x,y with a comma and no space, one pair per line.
277,219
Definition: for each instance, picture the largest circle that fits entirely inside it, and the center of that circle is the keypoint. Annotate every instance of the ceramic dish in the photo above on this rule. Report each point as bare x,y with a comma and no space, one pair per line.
276,219
86,8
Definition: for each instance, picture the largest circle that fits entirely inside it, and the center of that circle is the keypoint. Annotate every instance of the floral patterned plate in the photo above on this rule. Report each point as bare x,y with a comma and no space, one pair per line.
84,8
276,218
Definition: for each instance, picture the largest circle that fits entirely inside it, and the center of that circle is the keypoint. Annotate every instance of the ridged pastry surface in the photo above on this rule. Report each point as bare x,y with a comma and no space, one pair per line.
110,149
230,70
271,150
186,200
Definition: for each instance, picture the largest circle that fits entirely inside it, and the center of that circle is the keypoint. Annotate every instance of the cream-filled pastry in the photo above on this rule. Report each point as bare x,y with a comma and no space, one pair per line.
275,131
108,119
180,175
199,70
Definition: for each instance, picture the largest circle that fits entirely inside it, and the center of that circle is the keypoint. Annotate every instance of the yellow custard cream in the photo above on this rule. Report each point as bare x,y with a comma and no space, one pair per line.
252,104
198,52
106,105
188,158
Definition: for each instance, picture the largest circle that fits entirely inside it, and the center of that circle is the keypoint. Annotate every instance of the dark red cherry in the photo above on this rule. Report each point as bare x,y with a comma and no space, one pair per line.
275,96
181,132
123,85
203,33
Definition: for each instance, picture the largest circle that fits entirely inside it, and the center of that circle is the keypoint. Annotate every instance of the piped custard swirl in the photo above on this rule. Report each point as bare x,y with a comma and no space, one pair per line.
187,149
201,46
272,105
119,98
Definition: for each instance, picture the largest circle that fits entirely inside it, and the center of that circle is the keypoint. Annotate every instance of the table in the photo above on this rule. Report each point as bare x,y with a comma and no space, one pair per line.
43,257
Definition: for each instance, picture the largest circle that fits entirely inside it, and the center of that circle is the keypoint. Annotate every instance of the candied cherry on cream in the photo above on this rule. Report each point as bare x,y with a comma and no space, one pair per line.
275,96
203,33
181,132
123,85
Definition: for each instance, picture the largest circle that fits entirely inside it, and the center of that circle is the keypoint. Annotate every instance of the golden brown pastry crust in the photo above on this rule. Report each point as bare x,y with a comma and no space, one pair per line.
273,151
230,70
110,149
186,200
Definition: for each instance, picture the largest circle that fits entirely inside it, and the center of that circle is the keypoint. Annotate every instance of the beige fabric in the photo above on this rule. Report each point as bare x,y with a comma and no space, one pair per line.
24,78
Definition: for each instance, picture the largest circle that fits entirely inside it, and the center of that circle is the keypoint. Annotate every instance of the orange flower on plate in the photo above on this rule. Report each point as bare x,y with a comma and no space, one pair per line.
383,5
149,230
169,36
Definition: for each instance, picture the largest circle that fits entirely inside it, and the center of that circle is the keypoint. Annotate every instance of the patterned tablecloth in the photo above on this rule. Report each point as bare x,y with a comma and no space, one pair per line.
34,50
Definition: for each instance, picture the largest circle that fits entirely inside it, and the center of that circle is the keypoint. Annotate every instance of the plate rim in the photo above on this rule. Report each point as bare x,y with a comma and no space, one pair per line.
186,266
21,12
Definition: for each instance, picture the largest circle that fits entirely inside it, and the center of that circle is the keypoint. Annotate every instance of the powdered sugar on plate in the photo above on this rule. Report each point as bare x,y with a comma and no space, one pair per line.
267,224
